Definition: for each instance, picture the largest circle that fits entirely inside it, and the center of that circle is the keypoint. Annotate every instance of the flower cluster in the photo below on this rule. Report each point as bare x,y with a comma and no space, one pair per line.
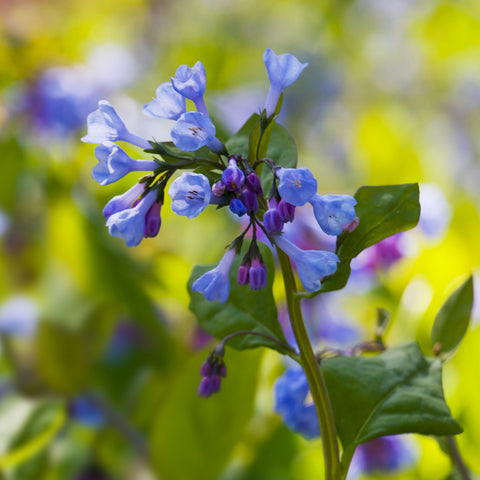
212,371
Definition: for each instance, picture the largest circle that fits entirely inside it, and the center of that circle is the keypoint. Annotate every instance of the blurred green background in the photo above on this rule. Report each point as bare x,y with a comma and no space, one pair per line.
391,95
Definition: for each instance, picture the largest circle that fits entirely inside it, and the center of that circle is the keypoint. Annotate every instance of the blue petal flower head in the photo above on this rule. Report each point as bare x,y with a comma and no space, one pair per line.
190,81
194,130
333,212
214,285
237,207
282,71
312,265
104,125
129,224
291,391
232,177
168,103
113,164
19,317
123,201
190,194
297,186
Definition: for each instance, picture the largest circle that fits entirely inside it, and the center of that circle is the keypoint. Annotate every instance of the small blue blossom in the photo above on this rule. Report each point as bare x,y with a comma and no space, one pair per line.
130,224
312,265
104,125
194,130
237,207
190,194
168,103
282,71
113,164
333,212
214,285
84,410
123,201
19,317
297,186
191,83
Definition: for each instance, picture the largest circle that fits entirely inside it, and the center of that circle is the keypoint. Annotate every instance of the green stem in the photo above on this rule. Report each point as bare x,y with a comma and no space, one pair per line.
456,458
313,373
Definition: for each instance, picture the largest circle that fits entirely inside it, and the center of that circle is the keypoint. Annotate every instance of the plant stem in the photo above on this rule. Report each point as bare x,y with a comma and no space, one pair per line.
456,458
313,373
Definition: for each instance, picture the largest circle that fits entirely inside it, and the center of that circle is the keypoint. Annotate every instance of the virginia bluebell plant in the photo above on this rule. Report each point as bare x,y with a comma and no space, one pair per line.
355,398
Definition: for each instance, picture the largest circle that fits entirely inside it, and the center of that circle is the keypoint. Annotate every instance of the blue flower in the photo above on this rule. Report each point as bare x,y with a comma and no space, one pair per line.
194,130
123,201
168,103
113,164
291,391
233,177
272,222
237,207
312,265
297,186
191,83
214,285
282,71
19,317
190,194
333,212
84,410
130,224
104,124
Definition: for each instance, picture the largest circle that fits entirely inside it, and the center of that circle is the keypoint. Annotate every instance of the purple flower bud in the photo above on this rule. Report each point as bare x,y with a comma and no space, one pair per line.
272,222
253,183
206,369
223,370
242,276
250,201
233,177
153,221
286,211
257,274
215,383
218,188
205,387
237,207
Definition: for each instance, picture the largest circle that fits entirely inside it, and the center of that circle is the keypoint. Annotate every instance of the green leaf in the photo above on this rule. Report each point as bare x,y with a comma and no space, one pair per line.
452,320
244,309
238,144
397,391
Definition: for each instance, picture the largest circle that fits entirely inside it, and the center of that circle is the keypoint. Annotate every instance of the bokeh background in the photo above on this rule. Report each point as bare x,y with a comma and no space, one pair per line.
100,355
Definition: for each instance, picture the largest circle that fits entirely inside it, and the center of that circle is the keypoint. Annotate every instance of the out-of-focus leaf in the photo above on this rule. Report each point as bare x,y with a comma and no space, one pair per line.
452,320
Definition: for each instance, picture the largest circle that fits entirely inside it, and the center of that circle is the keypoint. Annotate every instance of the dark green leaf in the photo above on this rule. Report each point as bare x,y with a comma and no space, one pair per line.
238,144
397,391
452,320
244,309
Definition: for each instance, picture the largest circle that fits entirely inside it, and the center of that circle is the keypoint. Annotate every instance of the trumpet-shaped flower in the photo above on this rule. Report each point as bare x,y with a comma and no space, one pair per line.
214,285
190,194
333,212
282,71
104,125
191,83
123,201
168,103
312,265
113,164
297,186
194,130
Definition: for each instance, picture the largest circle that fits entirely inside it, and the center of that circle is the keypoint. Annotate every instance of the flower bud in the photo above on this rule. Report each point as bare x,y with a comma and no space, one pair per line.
272,222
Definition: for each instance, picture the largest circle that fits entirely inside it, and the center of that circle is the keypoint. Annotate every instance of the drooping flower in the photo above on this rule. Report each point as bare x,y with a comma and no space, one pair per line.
168,103
312,265
194,130
114,163
190,194
297,186
214,284
212,371
333,212
104,125
123,201
282,71
191,83
130,224
257,274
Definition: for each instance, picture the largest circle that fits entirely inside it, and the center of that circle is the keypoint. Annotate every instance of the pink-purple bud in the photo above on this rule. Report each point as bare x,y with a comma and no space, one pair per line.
218,188
272,222
242,276
350,227
286,211
205,387
206,369
215,383
153,221
223,370
233,177
250,200
257,274
253,183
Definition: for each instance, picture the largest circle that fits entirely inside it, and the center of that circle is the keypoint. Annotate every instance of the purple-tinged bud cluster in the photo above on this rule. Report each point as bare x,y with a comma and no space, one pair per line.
254,272
212,371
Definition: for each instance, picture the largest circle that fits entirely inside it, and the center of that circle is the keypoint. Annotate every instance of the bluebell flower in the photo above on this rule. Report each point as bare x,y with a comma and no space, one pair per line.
194,130
333,212
130,224
214,285
123,201
113,164
84,410
312,265
233,177
237,207
282,71
190,194
104,125
4,223
191,83
297,186
291,390
168,103
19,316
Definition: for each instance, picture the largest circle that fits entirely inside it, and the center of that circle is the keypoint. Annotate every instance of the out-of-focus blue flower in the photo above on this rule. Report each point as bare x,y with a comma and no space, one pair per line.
312,265
19,316
84,410
214,284
130,224
4,223
123,201
114,163
233,177
297,186
194,130
212,371
191,83
168,103
104,125
190,194
237,207
435,211
333,212
282,71
291,390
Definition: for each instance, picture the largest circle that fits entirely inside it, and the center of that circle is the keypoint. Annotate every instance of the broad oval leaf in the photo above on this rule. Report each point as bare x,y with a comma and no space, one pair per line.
452,320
